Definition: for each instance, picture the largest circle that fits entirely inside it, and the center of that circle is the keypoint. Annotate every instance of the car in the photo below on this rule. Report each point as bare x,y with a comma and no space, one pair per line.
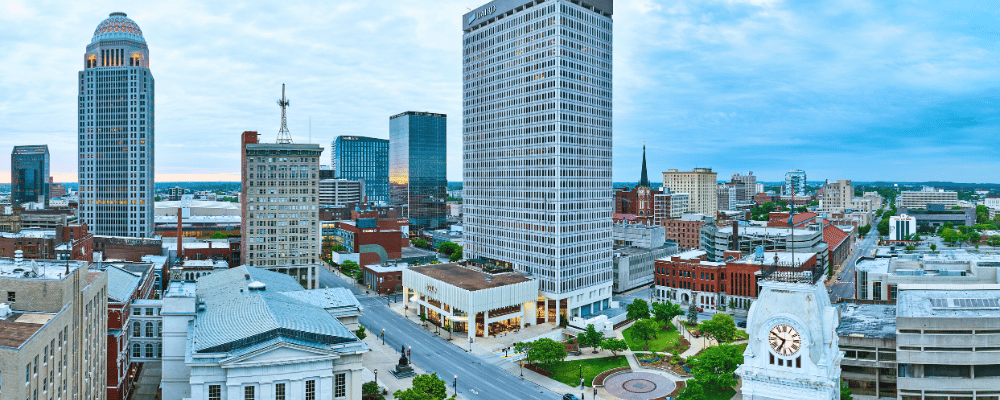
569,396
741,324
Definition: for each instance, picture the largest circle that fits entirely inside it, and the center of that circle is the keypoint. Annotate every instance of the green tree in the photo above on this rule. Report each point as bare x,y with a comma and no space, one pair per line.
338,248
447,248
845,391
864,229
693,391
982,214
714,367
721,327
419,243
456,255
666,311
371,391
950,235
348,265
218,235
614,345
423,318
361,332
883,227
447,327
994,241
425,387
693,311
639,309
545,350
645,329
933,247
974,236
591,337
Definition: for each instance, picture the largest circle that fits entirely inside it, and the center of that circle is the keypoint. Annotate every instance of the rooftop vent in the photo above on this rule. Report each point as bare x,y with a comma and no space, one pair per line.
966,304
4,310
256,285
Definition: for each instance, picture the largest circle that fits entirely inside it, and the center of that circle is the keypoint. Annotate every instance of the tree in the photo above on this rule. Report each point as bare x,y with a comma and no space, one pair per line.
419,243
361,332
845,391
693,311
637,310
545,350
693,391
614,345
933,247
447,327
721,327
591,337
994,241
371,391
666,311
425,387
974,236
423,318
714,367
218,235
348,265
338,248
864,229
645,330
456,255
447,248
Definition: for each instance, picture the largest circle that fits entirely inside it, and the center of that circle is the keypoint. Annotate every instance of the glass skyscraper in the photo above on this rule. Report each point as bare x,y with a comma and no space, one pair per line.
418,166
537,147
359,157
29,175
116,131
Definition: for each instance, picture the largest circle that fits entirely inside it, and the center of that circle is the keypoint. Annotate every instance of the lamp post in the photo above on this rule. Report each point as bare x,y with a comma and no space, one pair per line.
522,369
376,376
455,384
383,336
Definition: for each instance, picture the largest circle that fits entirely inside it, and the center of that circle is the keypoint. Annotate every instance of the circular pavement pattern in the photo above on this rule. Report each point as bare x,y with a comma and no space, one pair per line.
638,386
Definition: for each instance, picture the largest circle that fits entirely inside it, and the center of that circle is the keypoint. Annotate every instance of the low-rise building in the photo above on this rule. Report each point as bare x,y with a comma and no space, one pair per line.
901,227
634,266
716,240
384,279
474,300
340,192
669,206
867,336
879,278
686,231
925,198
935,216
124,287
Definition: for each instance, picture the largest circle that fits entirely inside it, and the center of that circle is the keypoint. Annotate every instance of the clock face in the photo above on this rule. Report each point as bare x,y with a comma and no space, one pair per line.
784,340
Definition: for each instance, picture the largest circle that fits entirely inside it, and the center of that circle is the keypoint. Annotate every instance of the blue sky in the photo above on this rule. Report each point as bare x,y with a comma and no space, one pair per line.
863,90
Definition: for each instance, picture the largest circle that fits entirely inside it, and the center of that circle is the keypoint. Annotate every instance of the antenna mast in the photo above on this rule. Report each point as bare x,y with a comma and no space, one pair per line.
283,136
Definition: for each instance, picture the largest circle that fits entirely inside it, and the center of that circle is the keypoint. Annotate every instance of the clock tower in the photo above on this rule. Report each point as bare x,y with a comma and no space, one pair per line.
793,351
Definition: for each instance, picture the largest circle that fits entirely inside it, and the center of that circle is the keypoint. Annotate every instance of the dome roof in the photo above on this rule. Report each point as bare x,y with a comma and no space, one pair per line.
118,26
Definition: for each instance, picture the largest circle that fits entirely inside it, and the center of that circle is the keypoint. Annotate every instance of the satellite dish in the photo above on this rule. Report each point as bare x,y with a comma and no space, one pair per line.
34,268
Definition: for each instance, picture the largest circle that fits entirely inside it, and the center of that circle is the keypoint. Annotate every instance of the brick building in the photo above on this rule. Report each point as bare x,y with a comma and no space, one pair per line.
685,231
690,276
126,282
360,234
127,248
840,240
384,279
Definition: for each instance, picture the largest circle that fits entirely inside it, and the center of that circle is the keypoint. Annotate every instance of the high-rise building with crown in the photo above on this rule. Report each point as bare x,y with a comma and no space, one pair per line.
115,102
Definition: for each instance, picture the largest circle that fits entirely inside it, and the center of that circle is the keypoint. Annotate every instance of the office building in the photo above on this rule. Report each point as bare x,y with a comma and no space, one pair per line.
53,330
669,206
746,187
837,196
700,185
340,192
418,167
636,247
279,199
364,158
56,190
795,183
879,278
116,135
726,196
537,147
926,197
901,227
175,193
715,240
29,174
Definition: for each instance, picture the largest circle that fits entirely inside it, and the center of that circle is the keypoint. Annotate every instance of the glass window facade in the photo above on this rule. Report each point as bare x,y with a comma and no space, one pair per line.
418,167
359,157
29,174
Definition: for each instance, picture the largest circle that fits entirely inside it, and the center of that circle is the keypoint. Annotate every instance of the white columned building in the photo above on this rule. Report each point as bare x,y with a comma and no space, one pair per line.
537,147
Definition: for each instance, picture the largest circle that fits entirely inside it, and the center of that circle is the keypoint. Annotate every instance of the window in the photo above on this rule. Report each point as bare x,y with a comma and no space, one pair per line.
214,392
149,329
136,329
279,391
11,297
248,393
136,352
339,385
136,311
149,350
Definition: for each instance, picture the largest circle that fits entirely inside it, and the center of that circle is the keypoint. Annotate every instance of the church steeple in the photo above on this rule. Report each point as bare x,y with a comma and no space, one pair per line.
644,179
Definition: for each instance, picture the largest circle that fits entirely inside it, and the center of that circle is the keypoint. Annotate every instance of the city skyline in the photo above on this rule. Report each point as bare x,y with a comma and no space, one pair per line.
832,88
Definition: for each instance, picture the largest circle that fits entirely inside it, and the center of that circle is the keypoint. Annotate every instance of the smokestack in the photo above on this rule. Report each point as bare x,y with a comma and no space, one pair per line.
736,236
180,236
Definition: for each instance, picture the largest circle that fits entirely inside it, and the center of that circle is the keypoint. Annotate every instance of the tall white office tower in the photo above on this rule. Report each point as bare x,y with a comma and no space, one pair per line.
116,131
537,147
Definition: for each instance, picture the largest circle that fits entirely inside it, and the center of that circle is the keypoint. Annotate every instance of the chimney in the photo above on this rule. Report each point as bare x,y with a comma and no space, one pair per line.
736,236
180,236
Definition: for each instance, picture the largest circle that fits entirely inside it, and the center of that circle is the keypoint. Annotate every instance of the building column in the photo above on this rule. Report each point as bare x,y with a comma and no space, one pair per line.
557,312
546,300
406,296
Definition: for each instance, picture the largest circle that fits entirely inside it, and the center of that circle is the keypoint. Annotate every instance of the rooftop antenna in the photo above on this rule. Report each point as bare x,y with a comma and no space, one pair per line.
283,136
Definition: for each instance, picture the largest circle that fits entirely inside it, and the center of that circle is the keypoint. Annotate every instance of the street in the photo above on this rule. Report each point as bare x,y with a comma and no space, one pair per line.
844,287
478,378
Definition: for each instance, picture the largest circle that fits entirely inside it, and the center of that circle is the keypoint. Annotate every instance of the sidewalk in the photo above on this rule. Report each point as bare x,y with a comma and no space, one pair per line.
384,359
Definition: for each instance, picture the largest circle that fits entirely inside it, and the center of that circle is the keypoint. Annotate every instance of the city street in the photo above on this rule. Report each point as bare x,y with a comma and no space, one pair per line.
478,378
844,287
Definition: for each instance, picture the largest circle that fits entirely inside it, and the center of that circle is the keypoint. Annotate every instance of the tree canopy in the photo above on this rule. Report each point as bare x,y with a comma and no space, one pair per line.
721,327
614,345
645,329
425,387
693,311
714,367
447,248
666,311
639,309
545,350
591,337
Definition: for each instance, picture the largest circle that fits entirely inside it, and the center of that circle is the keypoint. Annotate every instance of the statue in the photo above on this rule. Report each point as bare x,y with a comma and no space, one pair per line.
403,368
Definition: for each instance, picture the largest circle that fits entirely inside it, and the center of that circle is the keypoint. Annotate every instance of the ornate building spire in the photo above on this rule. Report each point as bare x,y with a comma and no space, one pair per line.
644,179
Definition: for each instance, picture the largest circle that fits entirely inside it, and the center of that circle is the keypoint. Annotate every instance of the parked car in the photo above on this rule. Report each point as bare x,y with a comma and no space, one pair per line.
568,396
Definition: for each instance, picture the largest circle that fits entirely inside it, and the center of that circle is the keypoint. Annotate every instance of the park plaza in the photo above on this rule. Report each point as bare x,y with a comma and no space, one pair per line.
460,294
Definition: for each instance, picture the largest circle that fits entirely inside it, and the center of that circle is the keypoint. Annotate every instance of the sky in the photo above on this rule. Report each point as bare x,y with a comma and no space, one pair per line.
843,89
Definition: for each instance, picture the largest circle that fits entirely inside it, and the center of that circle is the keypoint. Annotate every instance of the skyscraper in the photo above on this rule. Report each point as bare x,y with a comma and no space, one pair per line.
359,157
537,147
116,131
795,180
700,184
29,174
418,176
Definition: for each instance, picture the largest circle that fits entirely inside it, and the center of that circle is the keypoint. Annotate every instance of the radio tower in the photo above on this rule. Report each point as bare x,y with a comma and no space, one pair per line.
283,135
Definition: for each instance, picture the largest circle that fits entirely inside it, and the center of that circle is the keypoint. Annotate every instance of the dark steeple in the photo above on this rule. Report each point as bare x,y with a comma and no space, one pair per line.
644,179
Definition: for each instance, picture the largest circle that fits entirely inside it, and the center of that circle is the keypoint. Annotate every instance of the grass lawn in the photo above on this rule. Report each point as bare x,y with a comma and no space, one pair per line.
726,394
568,372
663,340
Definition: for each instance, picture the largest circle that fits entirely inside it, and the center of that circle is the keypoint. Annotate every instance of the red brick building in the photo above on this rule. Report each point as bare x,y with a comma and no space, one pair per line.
126,282
689,276
383,279
369,231
127,248
49,244
639,200
685,231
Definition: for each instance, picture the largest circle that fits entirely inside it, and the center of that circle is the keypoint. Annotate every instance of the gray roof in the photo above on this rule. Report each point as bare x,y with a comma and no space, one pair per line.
867,320
917,303
121,284
237,317
339,300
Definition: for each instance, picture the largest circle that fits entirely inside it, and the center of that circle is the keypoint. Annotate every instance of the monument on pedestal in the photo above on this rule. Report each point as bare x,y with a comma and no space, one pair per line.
403,368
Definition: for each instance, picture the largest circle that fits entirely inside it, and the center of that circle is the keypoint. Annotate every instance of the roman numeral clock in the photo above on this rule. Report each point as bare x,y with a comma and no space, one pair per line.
793,351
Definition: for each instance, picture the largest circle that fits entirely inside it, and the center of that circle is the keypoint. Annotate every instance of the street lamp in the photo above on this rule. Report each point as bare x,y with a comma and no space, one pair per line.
455,384
376,376
383,336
